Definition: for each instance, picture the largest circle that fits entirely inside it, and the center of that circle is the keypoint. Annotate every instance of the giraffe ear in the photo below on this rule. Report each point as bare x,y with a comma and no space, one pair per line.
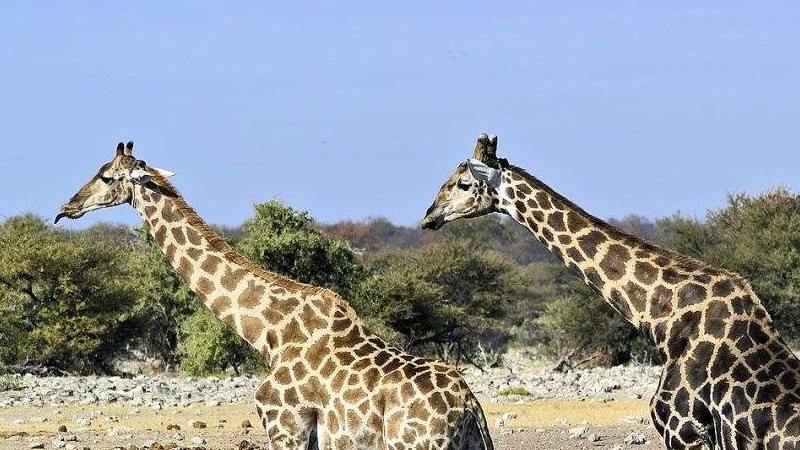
482,172
163,172
120,148
128,148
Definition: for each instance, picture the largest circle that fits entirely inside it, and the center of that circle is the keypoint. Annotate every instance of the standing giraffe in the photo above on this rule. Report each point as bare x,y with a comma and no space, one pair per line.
328,375
728,382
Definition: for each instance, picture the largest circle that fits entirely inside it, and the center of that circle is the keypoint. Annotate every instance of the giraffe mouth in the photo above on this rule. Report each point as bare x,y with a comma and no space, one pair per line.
69,214
432,223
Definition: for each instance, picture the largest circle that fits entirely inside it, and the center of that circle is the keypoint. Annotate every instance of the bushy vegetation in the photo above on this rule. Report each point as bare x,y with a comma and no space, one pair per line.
446,298
76,300
65,300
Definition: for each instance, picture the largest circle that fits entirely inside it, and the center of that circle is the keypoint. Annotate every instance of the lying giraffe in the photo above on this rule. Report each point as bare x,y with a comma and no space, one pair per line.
728,382
331,381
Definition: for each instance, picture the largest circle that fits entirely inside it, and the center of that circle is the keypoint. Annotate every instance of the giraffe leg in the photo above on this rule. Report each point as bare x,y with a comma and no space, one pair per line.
289,426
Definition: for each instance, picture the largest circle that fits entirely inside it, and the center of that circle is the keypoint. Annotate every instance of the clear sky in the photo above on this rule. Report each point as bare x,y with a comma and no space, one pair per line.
362,109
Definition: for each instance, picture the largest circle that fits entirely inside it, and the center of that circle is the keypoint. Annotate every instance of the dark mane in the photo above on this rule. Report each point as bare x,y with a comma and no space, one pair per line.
683,261
219,244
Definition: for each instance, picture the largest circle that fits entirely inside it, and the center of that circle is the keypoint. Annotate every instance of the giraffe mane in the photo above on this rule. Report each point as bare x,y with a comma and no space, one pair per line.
680,259
219,244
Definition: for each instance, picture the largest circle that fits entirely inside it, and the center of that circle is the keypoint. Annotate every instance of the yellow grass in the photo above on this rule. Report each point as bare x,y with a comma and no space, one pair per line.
540,414
547,413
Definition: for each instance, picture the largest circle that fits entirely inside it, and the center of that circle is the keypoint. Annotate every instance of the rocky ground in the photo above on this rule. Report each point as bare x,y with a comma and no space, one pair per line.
519,378
527,403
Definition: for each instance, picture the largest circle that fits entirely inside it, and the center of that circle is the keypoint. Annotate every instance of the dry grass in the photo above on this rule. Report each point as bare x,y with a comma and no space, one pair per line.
548,413
540,414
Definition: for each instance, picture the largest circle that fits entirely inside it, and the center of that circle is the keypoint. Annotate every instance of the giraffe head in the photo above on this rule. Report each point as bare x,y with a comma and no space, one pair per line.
113,184
471,190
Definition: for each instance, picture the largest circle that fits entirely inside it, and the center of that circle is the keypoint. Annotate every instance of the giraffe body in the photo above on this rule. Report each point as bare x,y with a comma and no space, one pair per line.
331,382
729,381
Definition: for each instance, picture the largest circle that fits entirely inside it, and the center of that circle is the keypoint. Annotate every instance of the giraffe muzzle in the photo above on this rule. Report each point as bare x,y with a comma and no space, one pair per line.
432,223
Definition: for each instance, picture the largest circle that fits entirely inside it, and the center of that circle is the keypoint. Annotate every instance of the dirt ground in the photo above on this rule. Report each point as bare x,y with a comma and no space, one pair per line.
537,425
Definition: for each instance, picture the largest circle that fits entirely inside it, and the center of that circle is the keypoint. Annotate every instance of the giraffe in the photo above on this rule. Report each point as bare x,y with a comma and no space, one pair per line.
728,382
331,384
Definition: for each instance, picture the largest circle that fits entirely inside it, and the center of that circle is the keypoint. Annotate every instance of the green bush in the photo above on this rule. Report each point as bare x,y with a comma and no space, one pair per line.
208,346
513,390
583,327
288,242
446,299
64,300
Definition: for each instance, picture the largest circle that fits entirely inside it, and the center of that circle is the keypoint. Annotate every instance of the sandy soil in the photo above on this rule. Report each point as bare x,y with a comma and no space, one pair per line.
538,425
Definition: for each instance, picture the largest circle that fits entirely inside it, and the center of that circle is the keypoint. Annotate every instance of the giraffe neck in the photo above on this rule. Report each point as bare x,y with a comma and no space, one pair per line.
623,268
265,309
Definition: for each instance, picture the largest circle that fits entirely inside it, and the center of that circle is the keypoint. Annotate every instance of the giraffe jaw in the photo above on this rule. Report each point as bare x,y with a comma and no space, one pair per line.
432,223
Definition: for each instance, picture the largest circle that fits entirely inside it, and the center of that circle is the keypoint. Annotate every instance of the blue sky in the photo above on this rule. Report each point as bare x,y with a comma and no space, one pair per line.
362,109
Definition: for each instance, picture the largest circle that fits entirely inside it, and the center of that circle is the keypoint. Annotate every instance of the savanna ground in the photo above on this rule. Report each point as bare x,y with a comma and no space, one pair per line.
535,425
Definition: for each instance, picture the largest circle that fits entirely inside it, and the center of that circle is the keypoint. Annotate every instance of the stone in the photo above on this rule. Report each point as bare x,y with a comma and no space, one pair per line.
633,420
577,432
635,438
197,440
247,424
35,445
62,428
173,427
197,424
509,416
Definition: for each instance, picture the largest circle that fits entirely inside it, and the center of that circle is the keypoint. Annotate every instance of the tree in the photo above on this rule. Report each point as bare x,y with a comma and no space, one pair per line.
288,242
445,298
579,326
64,300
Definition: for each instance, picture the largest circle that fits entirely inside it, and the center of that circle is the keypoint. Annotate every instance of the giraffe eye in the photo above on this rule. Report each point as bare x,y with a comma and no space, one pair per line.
105,179
463,185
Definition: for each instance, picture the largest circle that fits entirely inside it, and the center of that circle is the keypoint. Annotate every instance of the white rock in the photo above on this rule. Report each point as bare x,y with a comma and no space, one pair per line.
197,440
635,438
509,416
577,432
36,445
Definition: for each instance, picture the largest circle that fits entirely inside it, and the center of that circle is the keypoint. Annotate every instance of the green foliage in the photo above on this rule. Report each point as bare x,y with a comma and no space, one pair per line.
208,346
513,390
687,236
11,383
64,300
498,233
286,241
444,298
581,325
